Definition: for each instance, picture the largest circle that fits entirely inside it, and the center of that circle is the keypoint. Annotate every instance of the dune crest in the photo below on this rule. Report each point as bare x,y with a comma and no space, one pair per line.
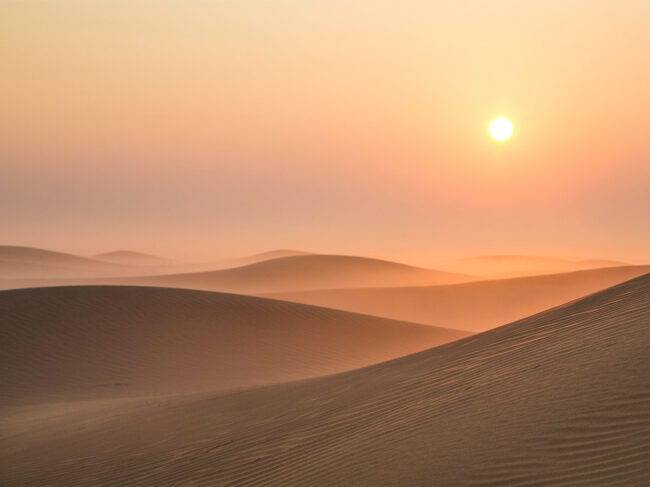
29,262
131,258
500,266
70,343
309,271
474,306
559,398
298,272
262,256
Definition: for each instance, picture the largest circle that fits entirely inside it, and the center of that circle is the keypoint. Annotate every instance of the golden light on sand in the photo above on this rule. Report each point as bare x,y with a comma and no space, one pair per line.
500,129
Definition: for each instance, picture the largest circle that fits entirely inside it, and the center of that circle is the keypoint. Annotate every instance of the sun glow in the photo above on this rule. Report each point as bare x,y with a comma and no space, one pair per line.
500,129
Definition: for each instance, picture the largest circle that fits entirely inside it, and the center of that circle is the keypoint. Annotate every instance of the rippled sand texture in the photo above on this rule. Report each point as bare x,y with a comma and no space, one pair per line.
559,398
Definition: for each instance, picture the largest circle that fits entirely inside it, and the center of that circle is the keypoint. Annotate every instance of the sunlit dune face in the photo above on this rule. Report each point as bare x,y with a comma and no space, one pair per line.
500,129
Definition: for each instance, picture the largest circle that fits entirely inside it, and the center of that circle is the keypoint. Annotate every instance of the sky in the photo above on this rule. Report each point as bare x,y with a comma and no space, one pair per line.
204,129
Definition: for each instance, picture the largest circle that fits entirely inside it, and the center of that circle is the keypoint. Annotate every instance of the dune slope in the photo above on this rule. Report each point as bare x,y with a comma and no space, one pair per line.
512,265
301,272
128,257
475,306
559,398
67,343
28,262
271,254
294,273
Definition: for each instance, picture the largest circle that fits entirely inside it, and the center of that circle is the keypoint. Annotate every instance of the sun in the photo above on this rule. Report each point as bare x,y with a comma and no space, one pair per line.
500,128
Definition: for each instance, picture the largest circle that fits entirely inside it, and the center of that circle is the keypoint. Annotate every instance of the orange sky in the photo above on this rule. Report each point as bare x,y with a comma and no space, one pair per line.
218,128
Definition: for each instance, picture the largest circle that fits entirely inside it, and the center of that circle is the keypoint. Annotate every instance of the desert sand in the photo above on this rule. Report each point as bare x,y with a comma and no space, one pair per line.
559,398
302,272
499,266
131,258
94,342
34,267
475,306
262,256
29,262
294,273
324,243
24,267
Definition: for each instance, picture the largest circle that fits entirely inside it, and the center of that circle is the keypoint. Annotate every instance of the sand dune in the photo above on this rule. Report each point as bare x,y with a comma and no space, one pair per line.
306,272
24,267
93,342
283,274
476,306
262,256
130,258
526,265
560,398
28,262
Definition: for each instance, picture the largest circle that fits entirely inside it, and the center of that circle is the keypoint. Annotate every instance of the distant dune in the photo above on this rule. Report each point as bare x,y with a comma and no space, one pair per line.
520,265
28,262
67,343
306,272
22,267
271,254
476,306
294,273
560,398
128,257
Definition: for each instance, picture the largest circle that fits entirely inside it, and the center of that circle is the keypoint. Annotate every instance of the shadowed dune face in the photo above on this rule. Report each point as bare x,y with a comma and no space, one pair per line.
476,306
92,342
560,398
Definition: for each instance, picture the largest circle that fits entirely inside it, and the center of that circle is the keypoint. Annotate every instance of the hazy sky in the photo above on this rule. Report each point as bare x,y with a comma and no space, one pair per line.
217,128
